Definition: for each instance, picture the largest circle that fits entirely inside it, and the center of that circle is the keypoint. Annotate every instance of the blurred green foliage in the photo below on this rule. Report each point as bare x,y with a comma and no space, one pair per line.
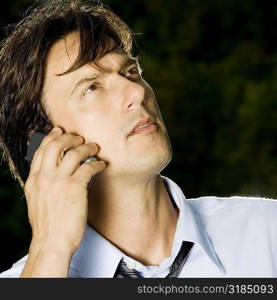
212,65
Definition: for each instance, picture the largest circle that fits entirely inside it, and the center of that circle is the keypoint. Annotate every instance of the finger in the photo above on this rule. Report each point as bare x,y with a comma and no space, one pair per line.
36,161
87,170
56,131
54,150
74,157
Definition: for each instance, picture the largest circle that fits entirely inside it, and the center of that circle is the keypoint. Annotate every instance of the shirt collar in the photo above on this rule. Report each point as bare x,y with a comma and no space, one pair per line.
189,226
97,257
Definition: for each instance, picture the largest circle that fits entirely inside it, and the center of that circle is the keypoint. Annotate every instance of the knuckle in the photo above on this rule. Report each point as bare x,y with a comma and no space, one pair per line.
43,180
88,167
79,138
52,145
75,181
76,138
32,185
86,147
93,167
49,137
73,153
93,146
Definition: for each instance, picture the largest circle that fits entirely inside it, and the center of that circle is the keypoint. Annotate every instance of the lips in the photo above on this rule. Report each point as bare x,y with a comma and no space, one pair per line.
141,124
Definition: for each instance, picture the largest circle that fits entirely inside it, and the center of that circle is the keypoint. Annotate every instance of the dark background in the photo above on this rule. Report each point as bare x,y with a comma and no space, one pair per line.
212,65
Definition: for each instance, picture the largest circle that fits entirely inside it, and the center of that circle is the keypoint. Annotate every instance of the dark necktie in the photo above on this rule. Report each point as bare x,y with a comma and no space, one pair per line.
123,271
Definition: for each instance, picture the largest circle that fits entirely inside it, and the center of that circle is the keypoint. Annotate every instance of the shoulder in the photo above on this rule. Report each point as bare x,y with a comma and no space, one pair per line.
16,269
209,204
229,210
236,208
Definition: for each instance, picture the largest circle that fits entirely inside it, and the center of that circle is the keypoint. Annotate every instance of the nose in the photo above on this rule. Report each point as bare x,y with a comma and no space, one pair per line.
132,94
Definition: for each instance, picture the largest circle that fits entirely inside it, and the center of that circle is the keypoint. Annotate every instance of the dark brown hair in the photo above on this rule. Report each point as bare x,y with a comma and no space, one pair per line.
22,65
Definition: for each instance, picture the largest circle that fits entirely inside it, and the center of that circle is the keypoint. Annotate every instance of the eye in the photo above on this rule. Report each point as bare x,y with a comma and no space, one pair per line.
90,89
133,73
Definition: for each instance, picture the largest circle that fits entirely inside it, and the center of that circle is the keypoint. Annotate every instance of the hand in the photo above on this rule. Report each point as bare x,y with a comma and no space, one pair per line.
56,190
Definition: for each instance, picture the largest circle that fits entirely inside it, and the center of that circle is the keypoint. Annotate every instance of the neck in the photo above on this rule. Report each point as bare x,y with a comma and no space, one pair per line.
137,217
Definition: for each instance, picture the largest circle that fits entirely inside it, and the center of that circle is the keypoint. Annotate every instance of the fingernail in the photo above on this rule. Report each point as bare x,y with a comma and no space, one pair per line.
56,130
92,144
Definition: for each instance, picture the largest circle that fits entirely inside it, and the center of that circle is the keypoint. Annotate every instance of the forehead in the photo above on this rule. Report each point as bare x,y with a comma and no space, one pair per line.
63,54
65,51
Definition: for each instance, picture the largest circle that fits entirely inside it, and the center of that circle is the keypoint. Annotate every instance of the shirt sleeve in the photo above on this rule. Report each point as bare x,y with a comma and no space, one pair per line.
16,269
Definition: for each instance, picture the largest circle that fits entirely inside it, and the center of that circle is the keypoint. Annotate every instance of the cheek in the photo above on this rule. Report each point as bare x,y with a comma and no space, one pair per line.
102,132
110,142
152,106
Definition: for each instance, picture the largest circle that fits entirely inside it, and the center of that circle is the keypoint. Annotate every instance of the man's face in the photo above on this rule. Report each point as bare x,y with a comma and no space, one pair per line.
105,109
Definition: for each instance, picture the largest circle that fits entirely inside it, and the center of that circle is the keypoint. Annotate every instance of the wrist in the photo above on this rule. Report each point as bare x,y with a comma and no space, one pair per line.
59,248
47,260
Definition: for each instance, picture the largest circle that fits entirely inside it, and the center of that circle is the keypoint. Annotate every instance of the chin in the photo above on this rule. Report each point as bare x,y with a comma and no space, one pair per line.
147,163
150,165
165,160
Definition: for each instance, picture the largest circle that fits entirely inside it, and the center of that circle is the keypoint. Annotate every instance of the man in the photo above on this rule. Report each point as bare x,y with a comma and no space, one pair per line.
68,67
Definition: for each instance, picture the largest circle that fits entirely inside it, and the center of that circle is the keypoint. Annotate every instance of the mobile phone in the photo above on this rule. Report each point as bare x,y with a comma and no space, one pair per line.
35,141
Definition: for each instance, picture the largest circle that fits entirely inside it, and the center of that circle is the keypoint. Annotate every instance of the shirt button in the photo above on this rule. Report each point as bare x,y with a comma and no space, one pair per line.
131,264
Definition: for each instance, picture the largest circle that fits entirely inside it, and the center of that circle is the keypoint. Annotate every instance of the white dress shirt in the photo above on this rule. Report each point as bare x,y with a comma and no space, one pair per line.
232,236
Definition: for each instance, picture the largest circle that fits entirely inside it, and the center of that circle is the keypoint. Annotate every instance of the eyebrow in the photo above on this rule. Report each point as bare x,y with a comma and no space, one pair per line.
129,61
